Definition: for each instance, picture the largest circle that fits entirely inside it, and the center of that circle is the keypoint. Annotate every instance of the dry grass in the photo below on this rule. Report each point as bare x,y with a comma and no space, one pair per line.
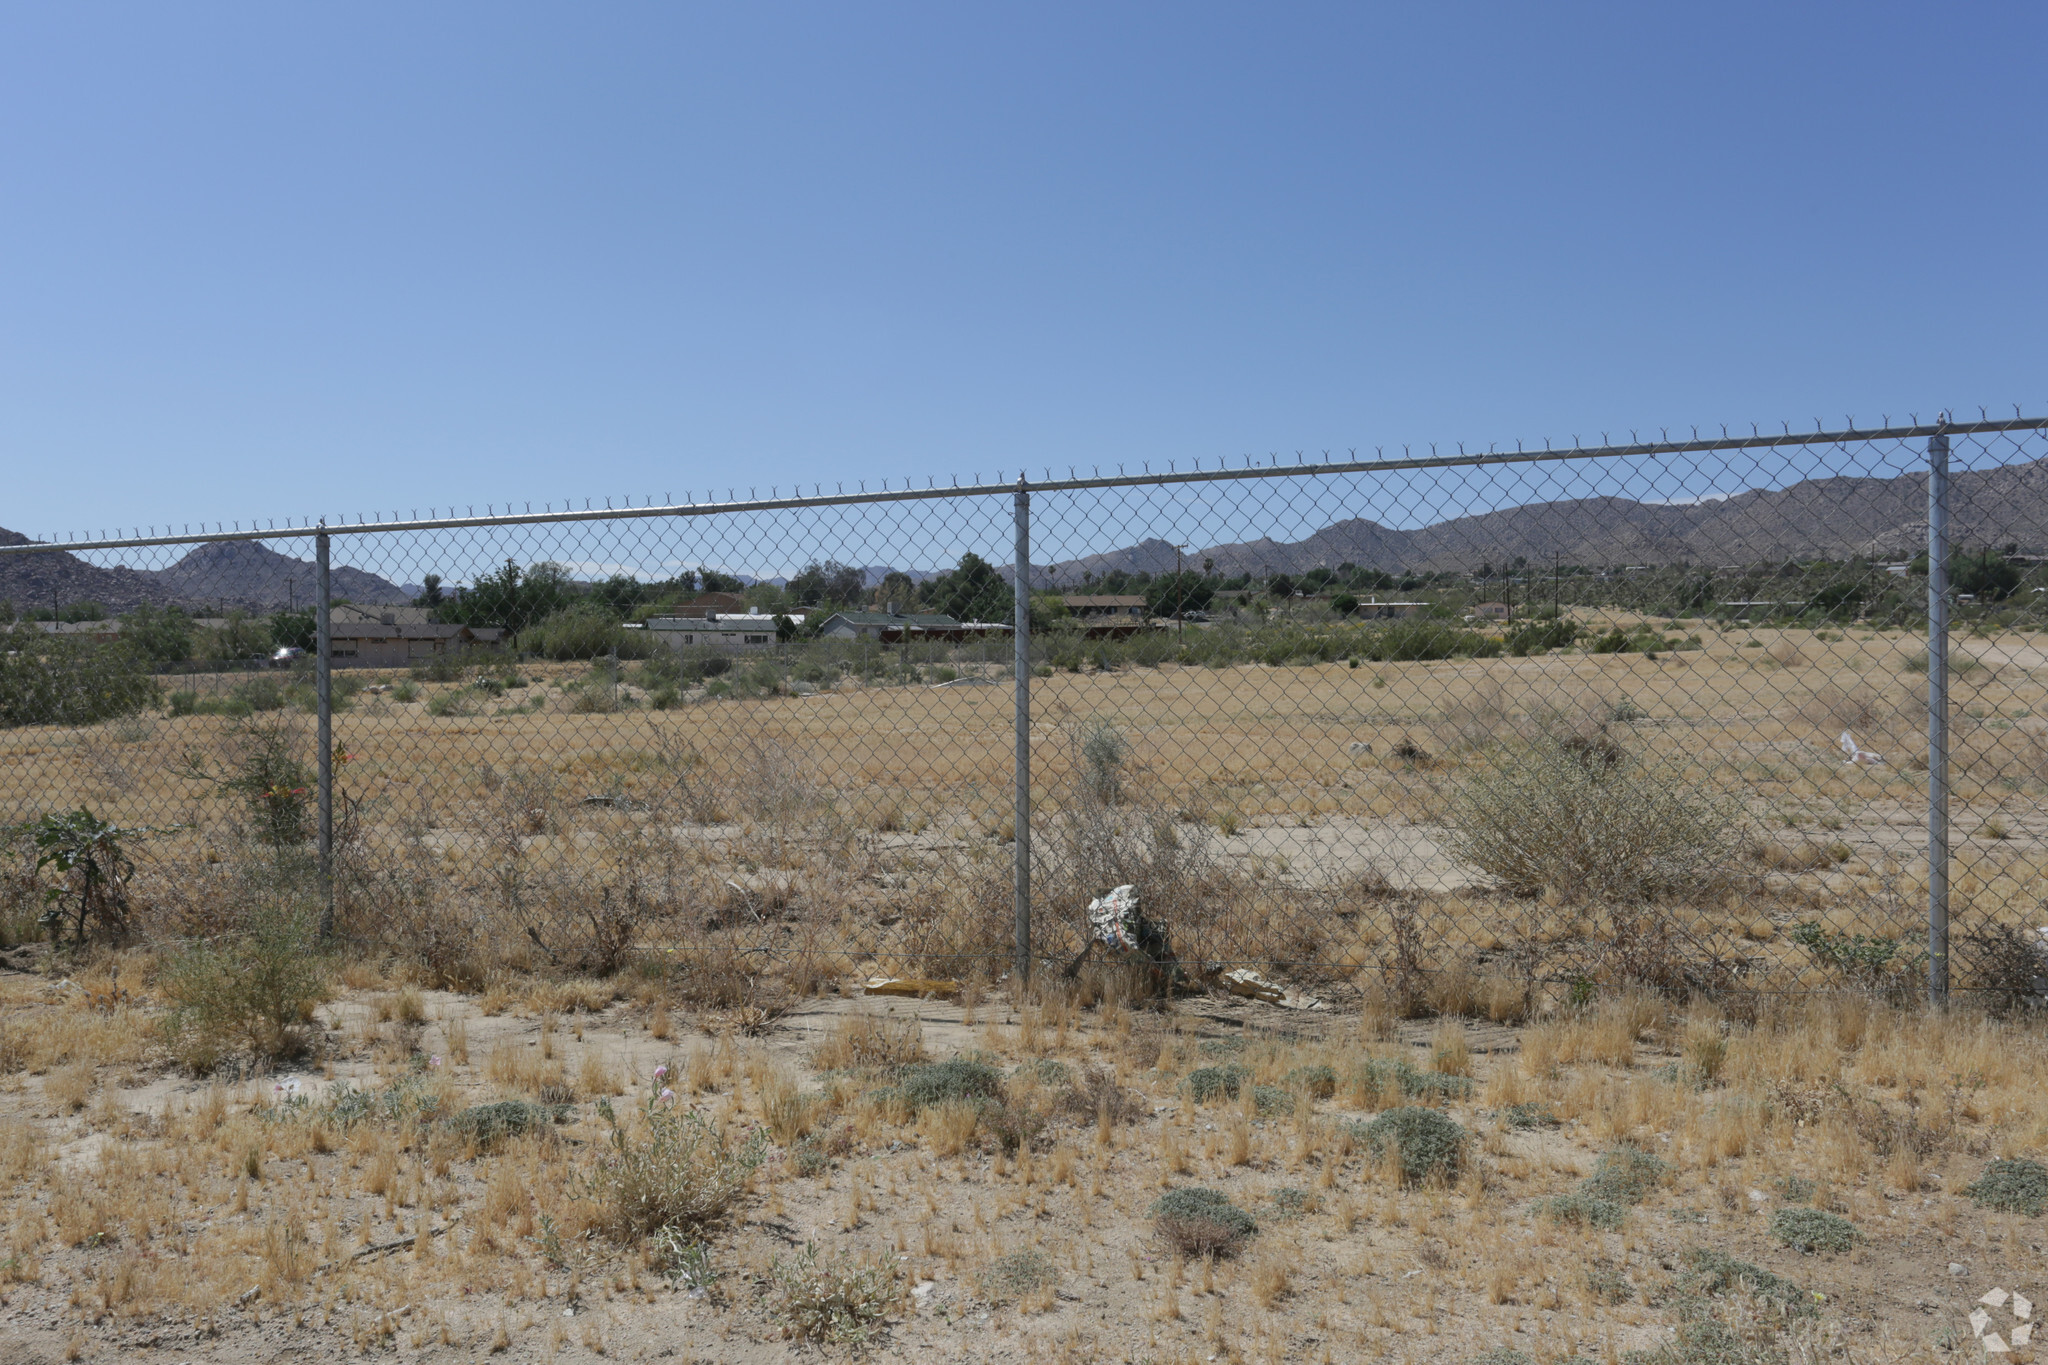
784,816
1878,1110
1857,1101
866,1041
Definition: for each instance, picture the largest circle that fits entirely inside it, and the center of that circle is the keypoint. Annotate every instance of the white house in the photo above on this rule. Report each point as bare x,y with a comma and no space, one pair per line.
717,630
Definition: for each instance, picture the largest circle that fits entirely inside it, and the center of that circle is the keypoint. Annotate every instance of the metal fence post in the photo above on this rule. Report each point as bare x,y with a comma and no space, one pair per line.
1937,720
323,691
1021,846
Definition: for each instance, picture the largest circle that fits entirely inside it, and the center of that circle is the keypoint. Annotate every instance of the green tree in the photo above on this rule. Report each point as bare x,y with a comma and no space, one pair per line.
619,594
1170,593
430,592
827,584
896,586
972,592
585,630
63,680
513,598
294,630
238,636
1985,575
1838,600
163,633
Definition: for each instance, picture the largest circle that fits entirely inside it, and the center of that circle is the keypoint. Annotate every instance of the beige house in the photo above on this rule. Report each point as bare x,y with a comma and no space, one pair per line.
1375,610
374,644
1089,606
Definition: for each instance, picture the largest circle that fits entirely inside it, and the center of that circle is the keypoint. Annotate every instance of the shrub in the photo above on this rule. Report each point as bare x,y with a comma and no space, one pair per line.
1417,640
1581,1209
1383,1077
1811,1230
407,1100
259,693
449,703
1716,1272
1013,1123
63,680
265,768
1292,1202
1608,1286
1538,637
1201,1222
2007,962
92,869
1319,1082
1626,1175
683,1262
1867,959
809,1157
486,1125
1429,1144
1094,1094
840,1300
584,631
187,703
682,1172
1208,1083
1017,1273
254,990
1623,1176
1530,1116
1269,1100
950,1081
1547,816
2013,1184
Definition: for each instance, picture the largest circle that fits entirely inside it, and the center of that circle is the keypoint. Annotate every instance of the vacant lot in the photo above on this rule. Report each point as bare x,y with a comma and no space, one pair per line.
1612,1059
1278,815
1616,1181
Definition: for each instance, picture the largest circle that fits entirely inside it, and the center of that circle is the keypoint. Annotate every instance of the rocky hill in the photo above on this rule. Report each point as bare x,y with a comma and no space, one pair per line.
251,575
38,580
230,573
1837,518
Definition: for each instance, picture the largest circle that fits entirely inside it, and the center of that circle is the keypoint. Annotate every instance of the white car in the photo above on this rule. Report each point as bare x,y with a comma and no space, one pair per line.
285,655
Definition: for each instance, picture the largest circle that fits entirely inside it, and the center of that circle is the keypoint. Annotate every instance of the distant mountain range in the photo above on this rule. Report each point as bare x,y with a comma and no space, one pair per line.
40,580
1837,518
230,574
250,575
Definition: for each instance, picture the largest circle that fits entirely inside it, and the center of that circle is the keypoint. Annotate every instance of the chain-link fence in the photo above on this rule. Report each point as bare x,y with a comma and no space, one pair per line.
1467,731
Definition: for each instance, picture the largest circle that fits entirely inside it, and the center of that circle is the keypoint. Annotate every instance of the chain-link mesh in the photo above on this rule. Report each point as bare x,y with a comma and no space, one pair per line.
1463,732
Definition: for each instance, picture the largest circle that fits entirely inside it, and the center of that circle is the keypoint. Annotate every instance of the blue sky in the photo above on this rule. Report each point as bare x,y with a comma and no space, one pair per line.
271,261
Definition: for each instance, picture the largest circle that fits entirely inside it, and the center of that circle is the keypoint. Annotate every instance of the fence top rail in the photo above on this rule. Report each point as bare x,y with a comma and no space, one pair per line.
1303,468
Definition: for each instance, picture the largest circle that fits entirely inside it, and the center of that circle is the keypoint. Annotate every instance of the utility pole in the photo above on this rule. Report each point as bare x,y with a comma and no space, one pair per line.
1180,595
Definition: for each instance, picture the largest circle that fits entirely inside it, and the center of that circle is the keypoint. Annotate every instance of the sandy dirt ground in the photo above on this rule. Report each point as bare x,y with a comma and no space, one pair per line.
1348,1264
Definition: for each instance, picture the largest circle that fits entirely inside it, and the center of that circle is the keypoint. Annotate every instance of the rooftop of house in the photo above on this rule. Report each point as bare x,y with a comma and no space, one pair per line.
920,620
716,621
353,613
423,630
